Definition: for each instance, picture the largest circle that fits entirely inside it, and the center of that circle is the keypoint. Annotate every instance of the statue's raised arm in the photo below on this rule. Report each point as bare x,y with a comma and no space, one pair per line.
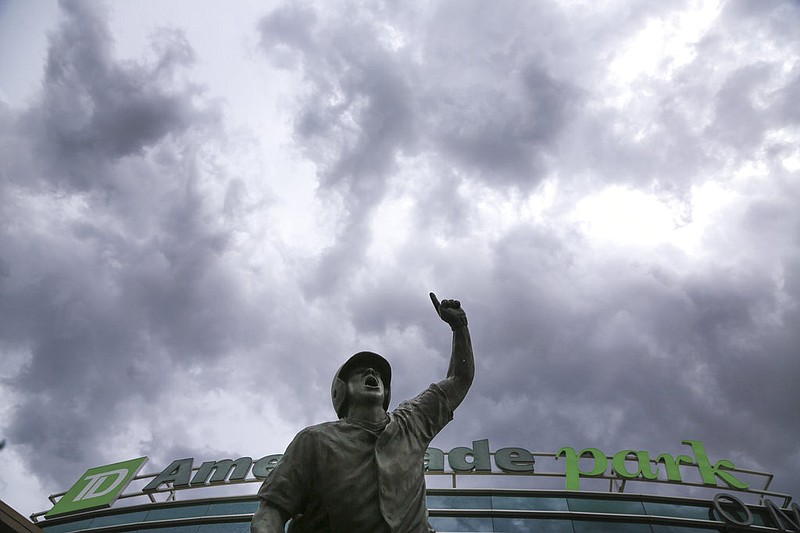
461,370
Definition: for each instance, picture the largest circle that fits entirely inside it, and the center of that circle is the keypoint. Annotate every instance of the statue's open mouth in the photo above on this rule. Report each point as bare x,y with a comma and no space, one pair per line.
371,381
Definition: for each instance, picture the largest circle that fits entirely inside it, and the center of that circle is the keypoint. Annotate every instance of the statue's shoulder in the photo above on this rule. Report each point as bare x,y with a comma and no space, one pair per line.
322,429
321,435
433,393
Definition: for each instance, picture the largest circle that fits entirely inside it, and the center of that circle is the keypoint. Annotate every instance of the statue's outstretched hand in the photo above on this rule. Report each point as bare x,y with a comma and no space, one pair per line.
450,311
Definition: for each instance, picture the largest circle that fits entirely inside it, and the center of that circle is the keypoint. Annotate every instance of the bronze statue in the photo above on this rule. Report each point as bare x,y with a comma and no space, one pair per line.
363,473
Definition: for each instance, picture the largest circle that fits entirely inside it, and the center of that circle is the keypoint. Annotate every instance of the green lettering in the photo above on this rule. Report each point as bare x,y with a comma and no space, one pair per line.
708,472
644,470
572,467
672,465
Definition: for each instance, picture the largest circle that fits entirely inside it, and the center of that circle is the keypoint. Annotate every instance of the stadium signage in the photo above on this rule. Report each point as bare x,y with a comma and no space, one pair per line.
735,513
521,460
478,459
644,470
101,486
98,487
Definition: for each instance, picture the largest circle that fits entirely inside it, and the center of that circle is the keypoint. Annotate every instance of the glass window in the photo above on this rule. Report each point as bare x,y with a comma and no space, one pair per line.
244,507
662,528
700,512
173,529
448,523
592,505
177,511
459,502
587,526
121,518
234,527
532,503
525,525
69,526
763,518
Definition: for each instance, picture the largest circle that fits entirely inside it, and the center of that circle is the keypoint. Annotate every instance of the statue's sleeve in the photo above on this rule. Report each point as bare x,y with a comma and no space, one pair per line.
288,485
426,414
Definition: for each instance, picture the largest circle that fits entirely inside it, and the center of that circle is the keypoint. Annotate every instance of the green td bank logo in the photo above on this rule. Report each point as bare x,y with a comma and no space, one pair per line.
98,487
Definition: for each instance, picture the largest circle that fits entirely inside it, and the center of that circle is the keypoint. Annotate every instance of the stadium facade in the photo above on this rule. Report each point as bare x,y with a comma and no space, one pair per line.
470,488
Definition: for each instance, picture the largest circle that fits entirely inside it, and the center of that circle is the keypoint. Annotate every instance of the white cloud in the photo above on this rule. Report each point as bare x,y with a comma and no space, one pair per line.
625,217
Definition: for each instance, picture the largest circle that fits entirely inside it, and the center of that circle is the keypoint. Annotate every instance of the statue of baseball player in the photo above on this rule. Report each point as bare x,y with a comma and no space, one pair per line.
363,473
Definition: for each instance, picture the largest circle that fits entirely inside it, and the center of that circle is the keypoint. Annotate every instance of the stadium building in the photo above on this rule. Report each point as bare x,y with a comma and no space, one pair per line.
469,489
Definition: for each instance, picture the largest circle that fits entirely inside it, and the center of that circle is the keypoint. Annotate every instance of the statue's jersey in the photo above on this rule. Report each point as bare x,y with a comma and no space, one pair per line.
344,477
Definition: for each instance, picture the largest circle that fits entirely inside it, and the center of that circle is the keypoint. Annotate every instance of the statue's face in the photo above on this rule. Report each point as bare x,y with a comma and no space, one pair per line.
364,386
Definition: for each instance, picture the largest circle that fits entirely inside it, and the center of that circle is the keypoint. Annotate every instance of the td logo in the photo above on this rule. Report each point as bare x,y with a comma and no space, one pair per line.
98,487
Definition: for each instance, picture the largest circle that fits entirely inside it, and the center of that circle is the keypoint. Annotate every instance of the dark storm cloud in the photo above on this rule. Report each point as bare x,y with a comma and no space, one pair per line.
356,118
96,110
502,132
641,360
636,352
359,100
576,345
737,122
369,102
114,276
138,271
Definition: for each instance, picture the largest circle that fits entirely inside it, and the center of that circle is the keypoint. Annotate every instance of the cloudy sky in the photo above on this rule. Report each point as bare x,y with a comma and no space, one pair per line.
204,210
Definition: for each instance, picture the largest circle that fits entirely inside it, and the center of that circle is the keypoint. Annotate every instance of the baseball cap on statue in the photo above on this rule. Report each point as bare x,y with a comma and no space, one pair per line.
339,385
